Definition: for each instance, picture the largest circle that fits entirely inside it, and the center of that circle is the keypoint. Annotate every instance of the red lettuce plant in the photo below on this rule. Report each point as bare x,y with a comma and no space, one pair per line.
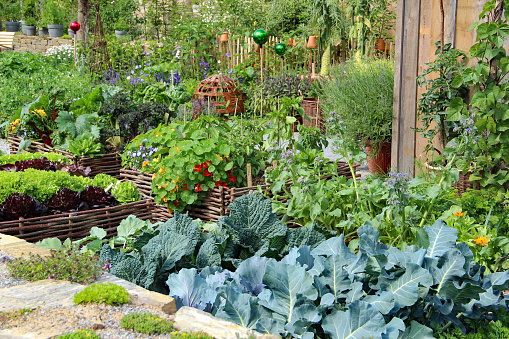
21,205
66,200
96,197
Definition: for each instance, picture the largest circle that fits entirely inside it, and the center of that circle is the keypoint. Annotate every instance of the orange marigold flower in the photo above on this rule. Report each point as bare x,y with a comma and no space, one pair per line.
458,214
145,163
161,170
483,241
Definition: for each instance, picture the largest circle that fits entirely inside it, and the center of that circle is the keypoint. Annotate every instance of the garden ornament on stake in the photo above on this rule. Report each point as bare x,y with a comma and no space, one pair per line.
281,50
75,27
260,37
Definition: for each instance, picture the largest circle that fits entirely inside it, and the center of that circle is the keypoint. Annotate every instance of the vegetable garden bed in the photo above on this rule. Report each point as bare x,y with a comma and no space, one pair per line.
216,203
76,225
109,163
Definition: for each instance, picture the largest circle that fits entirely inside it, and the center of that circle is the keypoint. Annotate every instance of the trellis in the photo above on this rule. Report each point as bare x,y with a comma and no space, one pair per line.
100,58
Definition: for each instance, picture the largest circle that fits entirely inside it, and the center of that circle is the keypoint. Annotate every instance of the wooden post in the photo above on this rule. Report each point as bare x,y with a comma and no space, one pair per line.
249,175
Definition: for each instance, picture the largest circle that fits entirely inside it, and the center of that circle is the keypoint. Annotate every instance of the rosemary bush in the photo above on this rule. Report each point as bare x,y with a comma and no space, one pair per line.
359,94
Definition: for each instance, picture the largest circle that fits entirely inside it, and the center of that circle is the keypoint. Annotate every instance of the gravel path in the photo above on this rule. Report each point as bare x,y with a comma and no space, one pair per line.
104,319
5,278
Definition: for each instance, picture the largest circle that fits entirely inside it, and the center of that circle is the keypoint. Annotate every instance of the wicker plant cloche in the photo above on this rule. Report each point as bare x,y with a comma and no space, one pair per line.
221,91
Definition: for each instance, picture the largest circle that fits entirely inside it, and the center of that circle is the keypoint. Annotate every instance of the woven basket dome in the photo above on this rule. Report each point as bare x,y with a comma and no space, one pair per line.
221,91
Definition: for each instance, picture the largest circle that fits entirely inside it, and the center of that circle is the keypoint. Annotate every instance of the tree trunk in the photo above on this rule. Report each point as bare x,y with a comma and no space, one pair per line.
83,7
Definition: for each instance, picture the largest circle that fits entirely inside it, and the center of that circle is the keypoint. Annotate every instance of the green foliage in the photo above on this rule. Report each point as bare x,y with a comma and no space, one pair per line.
186,161
103,293
483,122
30,180
146,323
54,157
251,229
125,192
30,12
65,264
24,76
361,95
330,292
439,93
80,334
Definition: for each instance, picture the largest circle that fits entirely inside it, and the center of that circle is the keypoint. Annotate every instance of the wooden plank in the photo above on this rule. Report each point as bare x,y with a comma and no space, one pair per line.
406,85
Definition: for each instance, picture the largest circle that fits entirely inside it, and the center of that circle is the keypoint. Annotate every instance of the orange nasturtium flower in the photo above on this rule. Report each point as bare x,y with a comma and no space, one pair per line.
161,170
154,176
458,214
483,241
164,199
145,163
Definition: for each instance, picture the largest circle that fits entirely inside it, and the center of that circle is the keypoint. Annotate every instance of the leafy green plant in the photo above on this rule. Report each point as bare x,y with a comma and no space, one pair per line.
53,157
439,93
485,114
103,293
330,292
251,229
80,334
29,182
147,323
65,264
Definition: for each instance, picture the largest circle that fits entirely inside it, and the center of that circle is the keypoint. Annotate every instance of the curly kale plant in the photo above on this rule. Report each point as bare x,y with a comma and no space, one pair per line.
251,229
330,292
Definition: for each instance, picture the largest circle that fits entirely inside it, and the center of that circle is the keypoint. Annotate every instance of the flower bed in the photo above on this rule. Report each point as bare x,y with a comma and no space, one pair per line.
76,225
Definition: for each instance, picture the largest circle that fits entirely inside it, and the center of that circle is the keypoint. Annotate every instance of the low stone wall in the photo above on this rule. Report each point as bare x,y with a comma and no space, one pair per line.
36,44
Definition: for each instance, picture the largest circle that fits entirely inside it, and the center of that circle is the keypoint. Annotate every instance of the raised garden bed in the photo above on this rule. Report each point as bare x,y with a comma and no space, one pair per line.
215,204
76,225
313,110
109,163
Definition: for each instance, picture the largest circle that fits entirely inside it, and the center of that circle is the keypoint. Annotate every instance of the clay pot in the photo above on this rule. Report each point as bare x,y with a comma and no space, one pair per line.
312,42
291,42
380,45
381,162
224,37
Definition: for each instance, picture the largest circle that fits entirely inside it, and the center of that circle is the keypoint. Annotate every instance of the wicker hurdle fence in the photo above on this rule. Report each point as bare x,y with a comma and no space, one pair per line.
215,203
109,163
76,225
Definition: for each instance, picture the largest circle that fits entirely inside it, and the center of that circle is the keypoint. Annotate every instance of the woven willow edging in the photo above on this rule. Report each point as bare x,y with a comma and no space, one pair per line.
109,163
76,225
215,203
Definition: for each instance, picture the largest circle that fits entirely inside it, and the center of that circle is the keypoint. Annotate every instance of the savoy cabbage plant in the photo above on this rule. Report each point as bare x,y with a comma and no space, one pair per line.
330,292
251,229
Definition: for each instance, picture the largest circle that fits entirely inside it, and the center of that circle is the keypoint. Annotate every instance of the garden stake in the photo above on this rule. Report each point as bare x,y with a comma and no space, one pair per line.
249,175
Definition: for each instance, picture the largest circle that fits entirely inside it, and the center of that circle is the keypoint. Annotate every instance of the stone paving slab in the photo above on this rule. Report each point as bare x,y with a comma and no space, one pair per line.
15,247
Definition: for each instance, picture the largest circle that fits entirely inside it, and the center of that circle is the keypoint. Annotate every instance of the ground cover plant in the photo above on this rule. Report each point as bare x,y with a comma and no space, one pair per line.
146,323
82,334
103,293
65,264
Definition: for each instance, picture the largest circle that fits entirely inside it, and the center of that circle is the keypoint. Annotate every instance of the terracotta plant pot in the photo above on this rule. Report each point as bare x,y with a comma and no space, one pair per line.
291,42
312,42
380,45
381,163
224,37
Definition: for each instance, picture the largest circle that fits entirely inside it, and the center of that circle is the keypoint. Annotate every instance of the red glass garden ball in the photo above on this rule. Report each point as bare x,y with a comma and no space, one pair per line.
74,26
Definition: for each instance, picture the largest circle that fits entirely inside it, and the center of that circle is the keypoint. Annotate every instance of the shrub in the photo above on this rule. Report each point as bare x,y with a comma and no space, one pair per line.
81,334
65,264
104,293
146,323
